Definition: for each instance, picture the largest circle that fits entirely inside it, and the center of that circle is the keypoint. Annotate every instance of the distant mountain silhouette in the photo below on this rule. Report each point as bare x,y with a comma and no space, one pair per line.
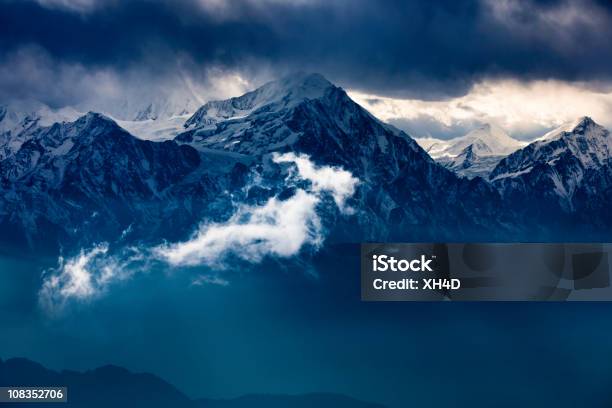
320,400
115,387
104,387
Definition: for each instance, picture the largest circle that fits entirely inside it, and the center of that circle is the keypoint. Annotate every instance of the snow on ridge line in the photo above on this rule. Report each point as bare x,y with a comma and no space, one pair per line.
492,140
284,92
567,127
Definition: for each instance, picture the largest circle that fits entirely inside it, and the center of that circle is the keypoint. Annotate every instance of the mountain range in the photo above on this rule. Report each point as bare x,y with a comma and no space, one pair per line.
67,180
115,386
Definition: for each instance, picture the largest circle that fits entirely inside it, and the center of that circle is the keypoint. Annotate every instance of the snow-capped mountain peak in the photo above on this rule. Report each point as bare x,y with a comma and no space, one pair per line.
583,139
274,95
89,125
584,122
18,117
474,161
299,113
495,138
57,140
470,152
567,127
20,120
478,147
487,140
474,154
557,164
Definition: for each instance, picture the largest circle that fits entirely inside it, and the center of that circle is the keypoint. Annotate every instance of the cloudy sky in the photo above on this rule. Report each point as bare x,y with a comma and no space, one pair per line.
433,68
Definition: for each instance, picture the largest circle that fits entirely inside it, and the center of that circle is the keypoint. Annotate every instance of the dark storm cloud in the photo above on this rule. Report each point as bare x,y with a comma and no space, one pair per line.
423,48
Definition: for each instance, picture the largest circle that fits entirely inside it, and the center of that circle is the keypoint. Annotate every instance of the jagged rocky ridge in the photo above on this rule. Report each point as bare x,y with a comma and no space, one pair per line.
81,181
19,122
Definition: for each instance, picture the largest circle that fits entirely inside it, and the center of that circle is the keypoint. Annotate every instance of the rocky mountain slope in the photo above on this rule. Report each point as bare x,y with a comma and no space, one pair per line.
567,171
88,179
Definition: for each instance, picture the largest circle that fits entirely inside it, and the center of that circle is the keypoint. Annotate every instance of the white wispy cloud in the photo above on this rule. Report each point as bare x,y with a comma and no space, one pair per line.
339,183
278,228
86,275
210,280
74,5
235,10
